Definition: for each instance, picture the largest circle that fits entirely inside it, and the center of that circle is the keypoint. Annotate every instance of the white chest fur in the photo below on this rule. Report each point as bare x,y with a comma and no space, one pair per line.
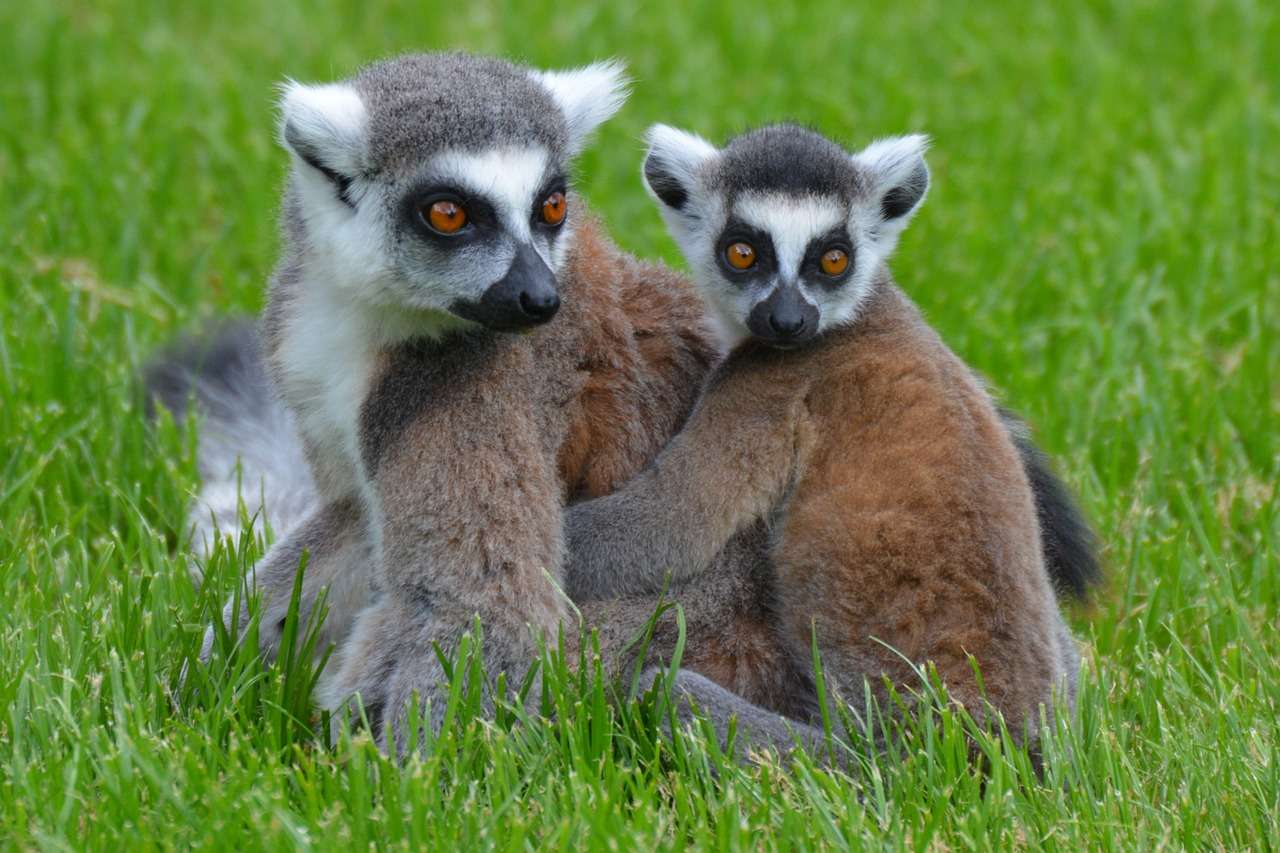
327,354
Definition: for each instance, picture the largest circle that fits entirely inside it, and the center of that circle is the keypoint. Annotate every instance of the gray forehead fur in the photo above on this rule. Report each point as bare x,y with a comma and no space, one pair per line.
787,159
422,103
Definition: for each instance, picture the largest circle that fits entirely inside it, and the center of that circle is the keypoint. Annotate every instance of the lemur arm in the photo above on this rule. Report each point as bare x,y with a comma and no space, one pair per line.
729,466
467,493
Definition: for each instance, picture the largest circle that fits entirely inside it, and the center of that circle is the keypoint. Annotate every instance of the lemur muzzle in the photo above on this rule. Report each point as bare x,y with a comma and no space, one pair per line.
526,296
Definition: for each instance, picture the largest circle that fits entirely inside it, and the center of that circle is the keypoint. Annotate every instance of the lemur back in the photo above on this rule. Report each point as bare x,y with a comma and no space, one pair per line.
902,527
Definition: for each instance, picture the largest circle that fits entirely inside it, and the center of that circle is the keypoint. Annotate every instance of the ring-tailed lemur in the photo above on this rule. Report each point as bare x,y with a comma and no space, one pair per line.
428,216
626,357
902,525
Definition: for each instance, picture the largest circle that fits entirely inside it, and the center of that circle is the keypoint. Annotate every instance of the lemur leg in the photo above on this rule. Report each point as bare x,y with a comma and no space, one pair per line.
335,540
734,664
730,638
733,585
390,653
757,728
729,466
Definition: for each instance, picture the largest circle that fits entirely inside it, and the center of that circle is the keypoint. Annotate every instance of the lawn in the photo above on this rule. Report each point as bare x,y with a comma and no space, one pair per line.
1101,241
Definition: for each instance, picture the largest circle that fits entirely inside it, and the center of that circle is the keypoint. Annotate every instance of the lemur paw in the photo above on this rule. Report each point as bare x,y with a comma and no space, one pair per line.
270,629
594,537
389,666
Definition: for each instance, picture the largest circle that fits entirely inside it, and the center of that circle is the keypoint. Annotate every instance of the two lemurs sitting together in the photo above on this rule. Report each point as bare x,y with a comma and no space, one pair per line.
497,406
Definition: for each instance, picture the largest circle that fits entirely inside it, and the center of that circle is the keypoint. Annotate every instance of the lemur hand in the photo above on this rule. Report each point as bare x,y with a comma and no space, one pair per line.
391,664
390,659
613,550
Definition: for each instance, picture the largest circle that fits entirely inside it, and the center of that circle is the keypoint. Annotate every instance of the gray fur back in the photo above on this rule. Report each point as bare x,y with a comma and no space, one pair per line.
248,448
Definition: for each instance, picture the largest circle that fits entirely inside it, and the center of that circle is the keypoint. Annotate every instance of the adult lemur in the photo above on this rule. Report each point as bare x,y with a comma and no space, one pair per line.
424,452
902,526
427,220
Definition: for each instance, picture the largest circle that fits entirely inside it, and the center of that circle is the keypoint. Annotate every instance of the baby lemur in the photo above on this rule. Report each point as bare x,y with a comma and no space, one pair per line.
901,525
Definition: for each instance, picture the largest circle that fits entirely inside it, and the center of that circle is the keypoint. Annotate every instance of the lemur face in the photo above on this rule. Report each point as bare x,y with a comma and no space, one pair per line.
784,230
439,182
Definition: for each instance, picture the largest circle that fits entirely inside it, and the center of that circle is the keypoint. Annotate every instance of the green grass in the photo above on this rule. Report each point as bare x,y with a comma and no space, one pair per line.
1102,241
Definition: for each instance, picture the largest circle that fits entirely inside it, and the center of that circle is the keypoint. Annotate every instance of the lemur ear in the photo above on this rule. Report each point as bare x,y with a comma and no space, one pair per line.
325,127
898,174
672,163
588,96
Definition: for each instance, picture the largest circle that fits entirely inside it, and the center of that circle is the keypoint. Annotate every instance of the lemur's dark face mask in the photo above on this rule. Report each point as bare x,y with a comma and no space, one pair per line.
462,229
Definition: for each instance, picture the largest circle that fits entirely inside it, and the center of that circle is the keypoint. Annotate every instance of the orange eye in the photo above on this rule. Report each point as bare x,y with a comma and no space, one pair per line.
741,256
835,261
444,216
554,208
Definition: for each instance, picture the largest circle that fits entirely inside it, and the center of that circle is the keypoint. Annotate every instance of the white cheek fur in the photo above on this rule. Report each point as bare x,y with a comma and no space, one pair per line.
840,306
695,229
346,248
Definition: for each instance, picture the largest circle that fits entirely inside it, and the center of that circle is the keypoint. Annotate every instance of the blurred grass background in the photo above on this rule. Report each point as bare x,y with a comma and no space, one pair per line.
1101,241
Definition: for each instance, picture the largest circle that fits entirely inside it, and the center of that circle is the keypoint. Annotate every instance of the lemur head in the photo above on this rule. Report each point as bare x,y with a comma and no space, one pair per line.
784,229
439,182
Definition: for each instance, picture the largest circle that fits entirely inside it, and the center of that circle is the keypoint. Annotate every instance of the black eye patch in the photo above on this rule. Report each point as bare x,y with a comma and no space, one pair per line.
555,184
737,231
482,218
811,263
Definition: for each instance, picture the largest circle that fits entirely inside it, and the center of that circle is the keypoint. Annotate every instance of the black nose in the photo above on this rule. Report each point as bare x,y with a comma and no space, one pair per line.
539,305
787,324
785,317
526,296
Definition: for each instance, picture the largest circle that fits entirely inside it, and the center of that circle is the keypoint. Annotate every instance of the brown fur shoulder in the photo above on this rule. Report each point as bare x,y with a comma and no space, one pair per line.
645,346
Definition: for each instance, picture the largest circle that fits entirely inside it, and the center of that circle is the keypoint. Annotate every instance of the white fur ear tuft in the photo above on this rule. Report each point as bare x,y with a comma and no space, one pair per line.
672,163
325,126
898,173
588,96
